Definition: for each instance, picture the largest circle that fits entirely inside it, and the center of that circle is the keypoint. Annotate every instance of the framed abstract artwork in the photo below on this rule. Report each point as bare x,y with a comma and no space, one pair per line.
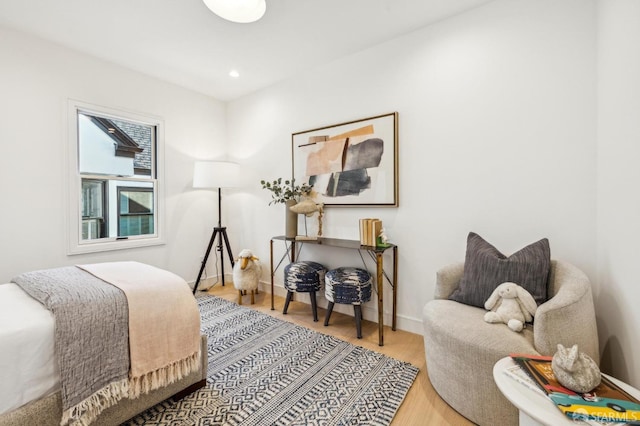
350,164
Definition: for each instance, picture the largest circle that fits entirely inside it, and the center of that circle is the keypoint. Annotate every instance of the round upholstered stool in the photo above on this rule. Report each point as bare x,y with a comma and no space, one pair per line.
303,277
351,286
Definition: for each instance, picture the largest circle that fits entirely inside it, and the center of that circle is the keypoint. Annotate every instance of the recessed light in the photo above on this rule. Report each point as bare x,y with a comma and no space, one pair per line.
234,74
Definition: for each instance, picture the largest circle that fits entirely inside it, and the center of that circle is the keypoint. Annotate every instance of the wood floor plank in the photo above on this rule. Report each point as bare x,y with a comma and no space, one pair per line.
422,405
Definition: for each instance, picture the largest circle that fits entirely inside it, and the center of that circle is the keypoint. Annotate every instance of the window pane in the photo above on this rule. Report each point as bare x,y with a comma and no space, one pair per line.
93,207
136,201
135,211
135,225
109,146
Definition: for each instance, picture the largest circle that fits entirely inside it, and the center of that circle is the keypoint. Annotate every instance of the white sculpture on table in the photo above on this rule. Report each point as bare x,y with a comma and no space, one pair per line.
575,370
308,207
384,240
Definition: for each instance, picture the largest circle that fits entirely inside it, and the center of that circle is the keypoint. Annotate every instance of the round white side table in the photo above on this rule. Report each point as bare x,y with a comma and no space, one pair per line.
536,408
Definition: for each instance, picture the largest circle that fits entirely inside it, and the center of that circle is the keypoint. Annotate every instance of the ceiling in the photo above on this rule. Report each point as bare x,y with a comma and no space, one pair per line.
182,42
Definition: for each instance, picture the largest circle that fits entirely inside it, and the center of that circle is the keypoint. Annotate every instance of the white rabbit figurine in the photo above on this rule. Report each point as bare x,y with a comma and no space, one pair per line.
510,304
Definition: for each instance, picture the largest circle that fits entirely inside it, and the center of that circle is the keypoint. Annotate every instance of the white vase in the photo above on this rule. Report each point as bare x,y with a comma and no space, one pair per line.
291,220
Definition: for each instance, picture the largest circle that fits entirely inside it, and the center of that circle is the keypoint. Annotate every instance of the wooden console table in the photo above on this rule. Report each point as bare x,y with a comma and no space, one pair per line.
376,254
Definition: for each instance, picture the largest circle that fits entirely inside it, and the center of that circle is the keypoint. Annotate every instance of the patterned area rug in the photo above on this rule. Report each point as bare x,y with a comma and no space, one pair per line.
265,371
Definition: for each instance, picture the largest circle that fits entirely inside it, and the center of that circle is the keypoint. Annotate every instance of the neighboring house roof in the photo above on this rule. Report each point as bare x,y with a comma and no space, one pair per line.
132,141
125,146
141,134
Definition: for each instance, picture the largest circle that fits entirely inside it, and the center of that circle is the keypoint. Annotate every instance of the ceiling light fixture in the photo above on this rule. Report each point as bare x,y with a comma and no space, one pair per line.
234,74
241,11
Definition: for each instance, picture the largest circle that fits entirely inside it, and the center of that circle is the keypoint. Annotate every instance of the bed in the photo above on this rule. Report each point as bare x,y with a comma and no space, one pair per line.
31,383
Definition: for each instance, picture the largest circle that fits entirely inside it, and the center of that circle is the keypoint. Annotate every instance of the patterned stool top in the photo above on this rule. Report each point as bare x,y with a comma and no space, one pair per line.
347,275
348,285
304,276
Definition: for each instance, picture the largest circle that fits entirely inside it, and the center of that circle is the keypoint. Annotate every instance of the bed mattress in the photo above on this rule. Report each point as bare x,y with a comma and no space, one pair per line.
28,369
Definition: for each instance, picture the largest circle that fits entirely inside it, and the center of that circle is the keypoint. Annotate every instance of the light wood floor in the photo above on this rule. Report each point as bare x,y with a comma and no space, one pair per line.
422,405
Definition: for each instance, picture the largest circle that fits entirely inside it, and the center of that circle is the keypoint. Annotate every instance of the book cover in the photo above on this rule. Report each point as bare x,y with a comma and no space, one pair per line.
606,403
517,373
362,223
365,225
375,229
367,231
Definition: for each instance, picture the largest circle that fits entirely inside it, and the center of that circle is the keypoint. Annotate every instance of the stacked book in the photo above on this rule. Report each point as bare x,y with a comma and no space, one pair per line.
370,231
607,404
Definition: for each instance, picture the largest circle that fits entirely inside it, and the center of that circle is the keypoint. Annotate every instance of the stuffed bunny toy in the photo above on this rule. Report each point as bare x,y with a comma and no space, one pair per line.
510,304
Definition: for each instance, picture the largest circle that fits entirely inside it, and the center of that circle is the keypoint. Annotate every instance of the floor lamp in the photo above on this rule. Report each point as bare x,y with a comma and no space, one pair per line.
216,174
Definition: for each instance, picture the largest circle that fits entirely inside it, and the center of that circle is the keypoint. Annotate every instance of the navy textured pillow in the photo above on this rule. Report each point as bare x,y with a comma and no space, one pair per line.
485,268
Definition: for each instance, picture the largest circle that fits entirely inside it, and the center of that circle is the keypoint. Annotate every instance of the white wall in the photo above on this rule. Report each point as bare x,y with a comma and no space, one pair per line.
36,79
618,293
497,135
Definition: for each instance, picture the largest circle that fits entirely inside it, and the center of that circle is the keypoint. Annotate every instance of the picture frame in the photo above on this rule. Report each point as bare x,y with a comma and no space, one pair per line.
351,164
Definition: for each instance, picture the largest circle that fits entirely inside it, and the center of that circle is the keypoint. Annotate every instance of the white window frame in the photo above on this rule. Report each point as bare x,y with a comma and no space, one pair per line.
75,244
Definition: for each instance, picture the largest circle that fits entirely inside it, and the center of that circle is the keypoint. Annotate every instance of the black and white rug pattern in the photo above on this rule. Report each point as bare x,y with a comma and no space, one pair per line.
265,371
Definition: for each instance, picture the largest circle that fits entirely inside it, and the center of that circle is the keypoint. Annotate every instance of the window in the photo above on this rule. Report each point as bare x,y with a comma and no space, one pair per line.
135,211
115,175
93,207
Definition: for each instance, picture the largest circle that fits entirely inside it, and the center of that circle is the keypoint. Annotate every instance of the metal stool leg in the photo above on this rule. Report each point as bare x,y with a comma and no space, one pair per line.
286,302
357,309
314,305
328,314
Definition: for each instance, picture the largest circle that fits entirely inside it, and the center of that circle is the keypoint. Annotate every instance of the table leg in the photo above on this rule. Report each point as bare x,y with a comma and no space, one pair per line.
379,283
271,262
395,287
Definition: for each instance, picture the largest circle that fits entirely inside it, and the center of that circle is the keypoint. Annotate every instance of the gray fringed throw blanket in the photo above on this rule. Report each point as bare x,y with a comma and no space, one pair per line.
91,338
121,329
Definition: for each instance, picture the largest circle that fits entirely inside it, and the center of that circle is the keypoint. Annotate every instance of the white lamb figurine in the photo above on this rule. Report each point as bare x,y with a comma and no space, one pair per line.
512,305
246,274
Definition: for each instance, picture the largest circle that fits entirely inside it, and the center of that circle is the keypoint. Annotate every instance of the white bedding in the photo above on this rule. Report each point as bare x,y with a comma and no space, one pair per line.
28,369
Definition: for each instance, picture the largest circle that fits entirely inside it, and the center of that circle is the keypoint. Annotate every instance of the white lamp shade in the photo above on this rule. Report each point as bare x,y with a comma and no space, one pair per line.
241,11
216,174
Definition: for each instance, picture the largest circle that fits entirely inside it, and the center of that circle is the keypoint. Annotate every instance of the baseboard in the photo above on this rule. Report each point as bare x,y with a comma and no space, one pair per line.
209,282
369,310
